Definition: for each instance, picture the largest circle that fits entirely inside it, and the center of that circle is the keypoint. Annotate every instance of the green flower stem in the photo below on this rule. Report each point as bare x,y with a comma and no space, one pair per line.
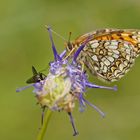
45,125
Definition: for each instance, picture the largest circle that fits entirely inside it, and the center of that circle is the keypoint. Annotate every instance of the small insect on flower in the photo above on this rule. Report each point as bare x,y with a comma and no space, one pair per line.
109,53
66,83
37,76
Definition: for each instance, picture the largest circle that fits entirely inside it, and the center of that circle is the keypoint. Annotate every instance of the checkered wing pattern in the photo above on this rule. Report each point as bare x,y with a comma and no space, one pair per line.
110,53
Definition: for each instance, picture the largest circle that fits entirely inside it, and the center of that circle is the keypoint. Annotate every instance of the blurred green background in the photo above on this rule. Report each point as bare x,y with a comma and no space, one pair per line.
24,42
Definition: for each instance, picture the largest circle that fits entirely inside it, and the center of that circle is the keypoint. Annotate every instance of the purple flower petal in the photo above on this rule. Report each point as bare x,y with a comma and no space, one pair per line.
95,107
56,56
23,88
91,85
63,54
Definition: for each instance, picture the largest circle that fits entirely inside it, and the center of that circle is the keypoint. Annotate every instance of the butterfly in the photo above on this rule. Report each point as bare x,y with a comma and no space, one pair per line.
109,53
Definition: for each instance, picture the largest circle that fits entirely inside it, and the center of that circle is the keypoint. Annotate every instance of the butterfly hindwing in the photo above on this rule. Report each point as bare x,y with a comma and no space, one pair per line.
110,53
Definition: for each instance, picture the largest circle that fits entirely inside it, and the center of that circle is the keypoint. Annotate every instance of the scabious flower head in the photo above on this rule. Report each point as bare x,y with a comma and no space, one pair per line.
62,86
65,83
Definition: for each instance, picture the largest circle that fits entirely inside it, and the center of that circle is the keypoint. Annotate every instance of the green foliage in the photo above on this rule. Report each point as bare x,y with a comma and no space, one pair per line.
24,42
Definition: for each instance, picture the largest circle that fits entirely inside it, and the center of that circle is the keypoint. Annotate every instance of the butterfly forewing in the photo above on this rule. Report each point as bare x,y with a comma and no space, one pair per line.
109,53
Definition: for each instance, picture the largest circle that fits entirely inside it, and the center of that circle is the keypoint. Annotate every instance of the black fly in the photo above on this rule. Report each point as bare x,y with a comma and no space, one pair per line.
37,76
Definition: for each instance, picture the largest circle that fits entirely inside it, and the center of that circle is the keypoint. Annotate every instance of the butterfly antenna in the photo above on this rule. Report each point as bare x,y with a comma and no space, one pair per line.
68,42
69,36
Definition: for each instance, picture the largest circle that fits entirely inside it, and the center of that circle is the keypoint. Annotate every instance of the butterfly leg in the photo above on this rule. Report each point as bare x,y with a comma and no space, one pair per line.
69,54
82,65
